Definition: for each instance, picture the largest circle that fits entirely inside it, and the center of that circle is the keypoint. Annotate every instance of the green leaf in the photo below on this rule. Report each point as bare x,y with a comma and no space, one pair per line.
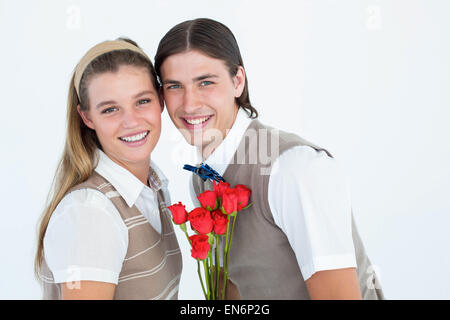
210,239
247,206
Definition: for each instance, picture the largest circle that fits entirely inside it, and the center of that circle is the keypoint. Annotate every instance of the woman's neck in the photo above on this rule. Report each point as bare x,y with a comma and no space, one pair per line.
141,172
140,169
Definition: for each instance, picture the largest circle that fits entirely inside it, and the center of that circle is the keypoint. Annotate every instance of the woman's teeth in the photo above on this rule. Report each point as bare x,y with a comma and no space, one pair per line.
135,138
197,121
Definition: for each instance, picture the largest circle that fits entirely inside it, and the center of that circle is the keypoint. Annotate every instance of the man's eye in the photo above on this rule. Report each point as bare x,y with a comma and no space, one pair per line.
205,83
109,110
173,86
144,101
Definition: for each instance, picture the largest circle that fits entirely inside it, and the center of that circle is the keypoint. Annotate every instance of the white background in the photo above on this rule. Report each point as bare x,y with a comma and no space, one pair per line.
368,80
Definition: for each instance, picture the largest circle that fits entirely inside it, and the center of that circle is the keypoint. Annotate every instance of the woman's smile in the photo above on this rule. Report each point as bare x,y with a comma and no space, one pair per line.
135,136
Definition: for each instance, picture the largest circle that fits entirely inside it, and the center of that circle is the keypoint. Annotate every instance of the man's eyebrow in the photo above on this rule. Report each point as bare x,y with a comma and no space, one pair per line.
199,78
169,81
205,76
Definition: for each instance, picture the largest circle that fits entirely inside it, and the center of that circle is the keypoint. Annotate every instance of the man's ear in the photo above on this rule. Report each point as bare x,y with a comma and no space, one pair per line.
161,98
84,115
239,82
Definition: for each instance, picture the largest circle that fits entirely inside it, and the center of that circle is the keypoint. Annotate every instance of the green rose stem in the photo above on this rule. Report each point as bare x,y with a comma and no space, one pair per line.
211,285
225,266
228,245
231,239
205,267
227,251
211,273
183,227
201,279
213,288
217,267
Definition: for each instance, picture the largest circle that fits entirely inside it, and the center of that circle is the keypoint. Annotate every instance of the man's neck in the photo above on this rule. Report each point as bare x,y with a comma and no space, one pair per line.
207,149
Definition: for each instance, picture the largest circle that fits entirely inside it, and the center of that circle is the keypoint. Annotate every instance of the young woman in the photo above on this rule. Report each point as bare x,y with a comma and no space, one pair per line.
106,232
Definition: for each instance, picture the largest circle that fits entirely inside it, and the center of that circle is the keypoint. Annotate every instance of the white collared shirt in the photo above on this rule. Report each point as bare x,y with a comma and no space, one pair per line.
86,238
309,197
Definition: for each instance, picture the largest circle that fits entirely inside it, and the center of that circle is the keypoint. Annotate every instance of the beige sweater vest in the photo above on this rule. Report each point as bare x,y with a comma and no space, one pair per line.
262,263
152,265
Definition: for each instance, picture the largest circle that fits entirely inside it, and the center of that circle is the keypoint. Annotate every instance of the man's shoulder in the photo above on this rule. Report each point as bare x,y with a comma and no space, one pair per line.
286,140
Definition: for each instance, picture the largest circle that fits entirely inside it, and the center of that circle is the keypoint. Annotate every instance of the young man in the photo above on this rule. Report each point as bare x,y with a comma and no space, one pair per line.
298,240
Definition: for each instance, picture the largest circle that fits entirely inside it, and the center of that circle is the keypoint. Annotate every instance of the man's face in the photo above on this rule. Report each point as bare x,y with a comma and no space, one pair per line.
200,95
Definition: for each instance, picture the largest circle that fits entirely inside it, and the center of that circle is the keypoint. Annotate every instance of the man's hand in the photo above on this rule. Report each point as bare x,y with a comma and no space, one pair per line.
231,291
339,284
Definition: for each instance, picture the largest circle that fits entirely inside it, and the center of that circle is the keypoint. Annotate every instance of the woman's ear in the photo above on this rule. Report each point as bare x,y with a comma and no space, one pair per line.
239,82
161,98
84,115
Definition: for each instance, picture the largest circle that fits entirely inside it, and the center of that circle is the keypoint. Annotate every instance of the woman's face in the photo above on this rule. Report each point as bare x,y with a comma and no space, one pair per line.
125,112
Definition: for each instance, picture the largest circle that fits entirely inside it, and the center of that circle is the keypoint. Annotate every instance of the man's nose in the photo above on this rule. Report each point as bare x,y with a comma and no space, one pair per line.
191,100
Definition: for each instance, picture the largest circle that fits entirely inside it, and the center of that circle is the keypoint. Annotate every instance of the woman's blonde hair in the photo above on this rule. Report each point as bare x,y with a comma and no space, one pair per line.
79,156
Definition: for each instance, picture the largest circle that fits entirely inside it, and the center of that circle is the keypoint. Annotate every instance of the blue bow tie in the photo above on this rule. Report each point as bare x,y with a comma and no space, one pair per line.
205,172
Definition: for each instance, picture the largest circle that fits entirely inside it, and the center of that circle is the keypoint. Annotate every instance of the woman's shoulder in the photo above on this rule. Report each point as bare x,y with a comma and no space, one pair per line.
85,200
87,231
164,181
160,174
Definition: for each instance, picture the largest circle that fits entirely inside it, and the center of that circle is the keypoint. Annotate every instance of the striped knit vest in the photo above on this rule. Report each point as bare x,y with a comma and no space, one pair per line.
152,265
262,263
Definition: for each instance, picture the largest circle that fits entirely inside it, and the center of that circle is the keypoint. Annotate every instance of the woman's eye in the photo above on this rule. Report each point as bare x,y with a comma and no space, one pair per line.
109,110
144,101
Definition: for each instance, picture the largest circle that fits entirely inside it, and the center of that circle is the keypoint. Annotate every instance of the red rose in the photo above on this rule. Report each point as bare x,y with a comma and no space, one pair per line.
200,246
208,198
229,200
179,213
201,220
220,187
243,195
220,222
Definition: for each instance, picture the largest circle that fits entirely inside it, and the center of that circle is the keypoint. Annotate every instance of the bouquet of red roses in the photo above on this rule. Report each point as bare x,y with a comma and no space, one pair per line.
215,218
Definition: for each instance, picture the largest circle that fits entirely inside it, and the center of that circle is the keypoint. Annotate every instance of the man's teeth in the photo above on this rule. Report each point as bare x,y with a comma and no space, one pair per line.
135,138
197,121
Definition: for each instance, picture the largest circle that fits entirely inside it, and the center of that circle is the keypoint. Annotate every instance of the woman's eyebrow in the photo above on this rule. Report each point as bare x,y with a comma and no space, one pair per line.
143,93
103,103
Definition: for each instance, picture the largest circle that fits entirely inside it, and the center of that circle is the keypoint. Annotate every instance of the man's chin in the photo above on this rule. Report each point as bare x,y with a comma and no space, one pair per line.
194,139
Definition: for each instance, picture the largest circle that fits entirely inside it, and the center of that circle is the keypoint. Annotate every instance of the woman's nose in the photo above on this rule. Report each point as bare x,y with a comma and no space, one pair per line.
130,118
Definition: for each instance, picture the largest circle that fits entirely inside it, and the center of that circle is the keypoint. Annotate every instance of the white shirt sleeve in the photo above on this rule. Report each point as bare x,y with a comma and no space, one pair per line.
309,197
86,239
